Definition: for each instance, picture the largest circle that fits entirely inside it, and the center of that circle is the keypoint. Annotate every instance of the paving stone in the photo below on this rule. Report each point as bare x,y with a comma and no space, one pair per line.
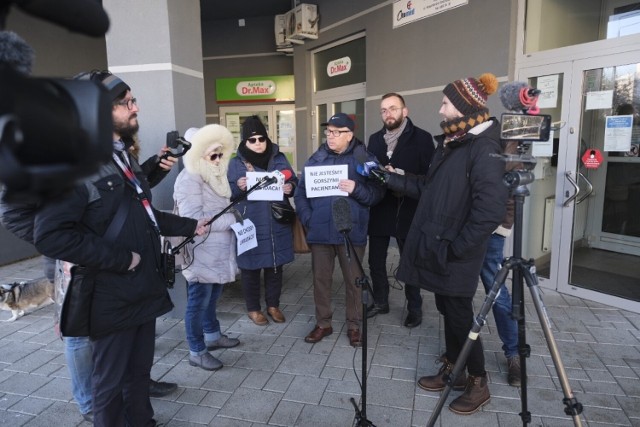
31,405
23,384
263,404
215,399
279,382
306,390
286,413
195,414
324,416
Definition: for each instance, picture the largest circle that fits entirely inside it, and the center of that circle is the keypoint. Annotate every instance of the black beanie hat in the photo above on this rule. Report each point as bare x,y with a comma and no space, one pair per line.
114,84
252,126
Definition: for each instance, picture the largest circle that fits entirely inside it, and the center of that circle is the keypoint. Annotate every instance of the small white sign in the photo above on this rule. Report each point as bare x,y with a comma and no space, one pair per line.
322,181
548,86
339,66
599,100
245,235
543,148
273,192
617,133
409,11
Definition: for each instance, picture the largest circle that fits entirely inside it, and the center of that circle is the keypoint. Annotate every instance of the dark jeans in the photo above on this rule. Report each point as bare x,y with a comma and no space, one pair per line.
272,287
378,246
458,320
120,380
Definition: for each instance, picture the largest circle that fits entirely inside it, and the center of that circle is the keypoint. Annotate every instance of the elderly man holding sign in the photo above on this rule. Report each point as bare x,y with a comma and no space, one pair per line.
330,173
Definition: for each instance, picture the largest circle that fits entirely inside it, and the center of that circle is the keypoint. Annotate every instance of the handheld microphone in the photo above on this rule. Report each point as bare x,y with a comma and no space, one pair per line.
266,181
519,96
287,174
341,213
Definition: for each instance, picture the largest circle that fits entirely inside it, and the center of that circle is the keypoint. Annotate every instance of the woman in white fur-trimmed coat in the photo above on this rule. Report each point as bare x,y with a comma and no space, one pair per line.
202,191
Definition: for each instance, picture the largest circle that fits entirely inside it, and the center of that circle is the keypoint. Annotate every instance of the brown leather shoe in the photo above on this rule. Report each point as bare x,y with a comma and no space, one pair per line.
276,314
438,381
318,333
258,318
475,396
354,337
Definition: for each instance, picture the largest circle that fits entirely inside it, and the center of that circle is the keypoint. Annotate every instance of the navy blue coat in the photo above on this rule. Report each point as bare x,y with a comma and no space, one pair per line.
316,213
461,202
275,240
393,215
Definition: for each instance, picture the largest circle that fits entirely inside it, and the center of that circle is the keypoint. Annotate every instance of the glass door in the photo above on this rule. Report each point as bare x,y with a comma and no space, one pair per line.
542,220
601,241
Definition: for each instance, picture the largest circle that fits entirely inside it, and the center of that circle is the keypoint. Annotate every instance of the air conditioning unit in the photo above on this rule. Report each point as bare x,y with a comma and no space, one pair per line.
280,26
301,23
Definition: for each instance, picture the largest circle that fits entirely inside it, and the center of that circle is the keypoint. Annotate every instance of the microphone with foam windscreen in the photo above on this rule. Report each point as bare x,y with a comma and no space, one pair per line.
519,96
82,16
287,174
341,212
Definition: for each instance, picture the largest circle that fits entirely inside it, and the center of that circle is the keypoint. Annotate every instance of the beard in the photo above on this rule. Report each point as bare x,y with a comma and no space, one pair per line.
126,129
392,125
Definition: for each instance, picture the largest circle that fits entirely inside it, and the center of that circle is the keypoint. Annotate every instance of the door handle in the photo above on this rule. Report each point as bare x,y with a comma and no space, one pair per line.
575,185
589,189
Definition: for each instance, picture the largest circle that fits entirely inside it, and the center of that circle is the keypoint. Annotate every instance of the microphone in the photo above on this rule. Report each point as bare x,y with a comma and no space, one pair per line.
266,181
82,16
519,96
287,174
15,52
341,212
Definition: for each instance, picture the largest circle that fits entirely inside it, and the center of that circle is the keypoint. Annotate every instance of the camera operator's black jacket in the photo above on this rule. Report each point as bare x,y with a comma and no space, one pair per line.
461,202
393,215
71,228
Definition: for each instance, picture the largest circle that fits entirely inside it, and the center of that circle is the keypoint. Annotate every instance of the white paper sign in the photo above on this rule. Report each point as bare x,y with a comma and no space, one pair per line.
617,133
245,235
272,192
405,12
600,99
548,86
322,181
543,148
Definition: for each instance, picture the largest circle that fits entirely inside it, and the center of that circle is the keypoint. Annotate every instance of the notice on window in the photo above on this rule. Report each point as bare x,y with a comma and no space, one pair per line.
548,86
617,133
322,181
543,148
598,100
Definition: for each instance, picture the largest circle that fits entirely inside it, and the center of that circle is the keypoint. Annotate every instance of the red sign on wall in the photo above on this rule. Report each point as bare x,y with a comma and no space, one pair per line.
592,158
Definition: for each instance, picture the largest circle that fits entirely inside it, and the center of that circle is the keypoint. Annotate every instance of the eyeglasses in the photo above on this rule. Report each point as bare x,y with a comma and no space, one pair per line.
129,103
255,139
215,156
335,133
390,110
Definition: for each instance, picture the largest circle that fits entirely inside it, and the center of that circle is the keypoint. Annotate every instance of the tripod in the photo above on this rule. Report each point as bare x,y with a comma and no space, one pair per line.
363,283
517,181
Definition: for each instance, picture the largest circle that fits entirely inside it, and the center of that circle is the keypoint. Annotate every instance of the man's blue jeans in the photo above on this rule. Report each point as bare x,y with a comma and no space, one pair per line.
507,326
78,353
200,320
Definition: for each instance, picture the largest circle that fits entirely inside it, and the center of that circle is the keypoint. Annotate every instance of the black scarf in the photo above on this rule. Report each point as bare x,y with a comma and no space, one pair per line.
258,160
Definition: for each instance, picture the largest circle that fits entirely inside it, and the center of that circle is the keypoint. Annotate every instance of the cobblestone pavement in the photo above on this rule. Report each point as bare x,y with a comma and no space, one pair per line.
274,378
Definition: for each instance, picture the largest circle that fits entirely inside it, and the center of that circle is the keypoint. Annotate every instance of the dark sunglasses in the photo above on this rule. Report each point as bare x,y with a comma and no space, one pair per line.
215,156
255,139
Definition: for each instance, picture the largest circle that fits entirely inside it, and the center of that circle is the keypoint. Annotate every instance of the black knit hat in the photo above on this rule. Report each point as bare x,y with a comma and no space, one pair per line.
470,95
252,126
114,84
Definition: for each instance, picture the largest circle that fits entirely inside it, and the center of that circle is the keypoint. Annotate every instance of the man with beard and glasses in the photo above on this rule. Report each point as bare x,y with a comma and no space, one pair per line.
406,148
108,226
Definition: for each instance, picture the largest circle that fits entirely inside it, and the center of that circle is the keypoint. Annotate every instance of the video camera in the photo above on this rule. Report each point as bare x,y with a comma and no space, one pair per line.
52,131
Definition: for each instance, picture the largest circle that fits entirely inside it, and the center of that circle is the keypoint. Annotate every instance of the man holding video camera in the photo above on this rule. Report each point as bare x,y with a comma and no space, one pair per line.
108,226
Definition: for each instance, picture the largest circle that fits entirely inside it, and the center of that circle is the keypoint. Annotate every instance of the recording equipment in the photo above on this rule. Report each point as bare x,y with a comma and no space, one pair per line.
287,174
52,131
168,261
341,212
525,127
266,181
175,141
519,96
81,16
366,168
15,53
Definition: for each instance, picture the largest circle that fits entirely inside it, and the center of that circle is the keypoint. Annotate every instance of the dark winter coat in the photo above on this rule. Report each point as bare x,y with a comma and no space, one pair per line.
275,240
413,152
71,228
316,213
461,202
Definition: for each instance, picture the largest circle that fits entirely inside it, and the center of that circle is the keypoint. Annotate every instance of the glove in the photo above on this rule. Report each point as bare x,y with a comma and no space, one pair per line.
379,175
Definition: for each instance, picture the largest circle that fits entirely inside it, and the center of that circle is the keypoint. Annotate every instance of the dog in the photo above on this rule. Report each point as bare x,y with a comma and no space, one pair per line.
19,296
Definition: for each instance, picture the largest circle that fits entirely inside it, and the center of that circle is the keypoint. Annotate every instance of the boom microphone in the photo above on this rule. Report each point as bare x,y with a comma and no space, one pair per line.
341,212
519,96
15,52
82,16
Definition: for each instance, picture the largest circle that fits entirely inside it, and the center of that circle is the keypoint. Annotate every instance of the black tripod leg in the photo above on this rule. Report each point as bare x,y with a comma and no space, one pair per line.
524,350
573,407
474,333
